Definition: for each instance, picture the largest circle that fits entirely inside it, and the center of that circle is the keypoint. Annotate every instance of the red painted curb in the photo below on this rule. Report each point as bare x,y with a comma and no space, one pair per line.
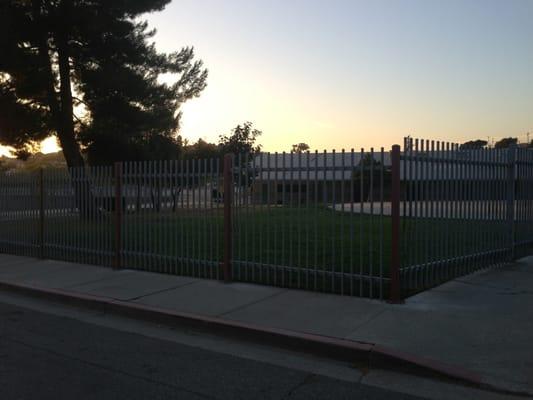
368,354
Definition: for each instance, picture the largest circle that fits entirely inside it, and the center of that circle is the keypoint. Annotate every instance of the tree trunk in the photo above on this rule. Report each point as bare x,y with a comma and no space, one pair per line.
66,134
65,122
61,107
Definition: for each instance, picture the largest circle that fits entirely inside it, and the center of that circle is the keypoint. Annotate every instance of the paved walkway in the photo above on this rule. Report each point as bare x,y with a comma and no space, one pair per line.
483,322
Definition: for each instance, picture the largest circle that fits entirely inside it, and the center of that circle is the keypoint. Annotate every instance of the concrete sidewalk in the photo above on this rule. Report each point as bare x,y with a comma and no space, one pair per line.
482,323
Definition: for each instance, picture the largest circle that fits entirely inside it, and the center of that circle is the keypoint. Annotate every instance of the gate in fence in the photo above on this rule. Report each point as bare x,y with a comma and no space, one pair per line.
373,224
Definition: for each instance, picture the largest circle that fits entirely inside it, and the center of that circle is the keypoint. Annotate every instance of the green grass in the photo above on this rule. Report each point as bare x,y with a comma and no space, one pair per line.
308,240
296,237
302,243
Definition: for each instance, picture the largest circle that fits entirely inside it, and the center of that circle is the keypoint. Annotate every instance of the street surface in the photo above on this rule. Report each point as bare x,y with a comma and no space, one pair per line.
45,356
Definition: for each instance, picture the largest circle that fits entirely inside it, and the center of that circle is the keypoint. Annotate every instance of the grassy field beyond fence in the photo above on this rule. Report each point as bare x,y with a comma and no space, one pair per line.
306,243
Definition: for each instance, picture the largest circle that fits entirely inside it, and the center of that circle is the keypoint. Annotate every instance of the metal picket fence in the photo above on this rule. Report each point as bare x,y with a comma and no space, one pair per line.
463,209
378,224
41,215
314,221
78,218
289,220
171,217
20,227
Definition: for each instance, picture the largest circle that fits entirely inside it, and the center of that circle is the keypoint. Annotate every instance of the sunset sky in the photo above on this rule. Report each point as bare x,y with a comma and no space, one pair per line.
346,73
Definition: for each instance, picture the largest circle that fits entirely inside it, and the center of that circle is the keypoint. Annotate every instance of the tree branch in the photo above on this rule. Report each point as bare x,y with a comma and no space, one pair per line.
80,101
79,120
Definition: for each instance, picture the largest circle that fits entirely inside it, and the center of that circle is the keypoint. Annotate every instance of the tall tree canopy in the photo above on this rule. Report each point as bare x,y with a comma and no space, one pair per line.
300,148
86,71
242,143
201,150
241,140
474,144
505,143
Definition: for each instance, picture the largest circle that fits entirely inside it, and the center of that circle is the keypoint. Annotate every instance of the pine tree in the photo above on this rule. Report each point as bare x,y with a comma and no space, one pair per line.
86,71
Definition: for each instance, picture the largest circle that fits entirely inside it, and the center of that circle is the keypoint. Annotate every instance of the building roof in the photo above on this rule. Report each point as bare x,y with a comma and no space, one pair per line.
421,165
319,166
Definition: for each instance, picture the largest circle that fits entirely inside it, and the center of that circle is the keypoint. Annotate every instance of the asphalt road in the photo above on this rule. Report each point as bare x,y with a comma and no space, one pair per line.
45,356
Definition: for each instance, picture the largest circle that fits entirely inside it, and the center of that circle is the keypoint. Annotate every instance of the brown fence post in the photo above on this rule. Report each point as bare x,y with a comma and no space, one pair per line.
41,213
228,223
511,194
395,294
118,215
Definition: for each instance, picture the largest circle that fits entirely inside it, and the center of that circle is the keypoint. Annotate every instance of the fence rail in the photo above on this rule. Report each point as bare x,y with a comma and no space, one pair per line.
379,224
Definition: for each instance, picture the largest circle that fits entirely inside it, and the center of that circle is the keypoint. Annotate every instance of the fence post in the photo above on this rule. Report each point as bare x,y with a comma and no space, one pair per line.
41,213
118,215
395,294
511,190
228,224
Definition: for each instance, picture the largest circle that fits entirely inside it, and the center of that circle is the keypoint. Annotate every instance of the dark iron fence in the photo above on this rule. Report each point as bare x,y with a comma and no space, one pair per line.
78,219
464,209
373,224
171,217
287,220
314,221
20,228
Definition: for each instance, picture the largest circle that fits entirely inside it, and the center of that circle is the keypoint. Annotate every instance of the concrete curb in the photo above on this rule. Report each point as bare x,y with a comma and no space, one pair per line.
366,355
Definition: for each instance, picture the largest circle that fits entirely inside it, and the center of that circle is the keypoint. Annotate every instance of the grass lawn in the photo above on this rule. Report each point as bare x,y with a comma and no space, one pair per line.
303,242
315,238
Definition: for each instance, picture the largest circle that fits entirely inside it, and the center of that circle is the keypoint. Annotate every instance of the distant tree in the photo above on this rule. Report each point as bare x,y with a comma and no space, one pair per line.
242,143
300,148
23,154
202,150
505,143
241,140
87,72
366,164
369,169
160,147
474,144
367,160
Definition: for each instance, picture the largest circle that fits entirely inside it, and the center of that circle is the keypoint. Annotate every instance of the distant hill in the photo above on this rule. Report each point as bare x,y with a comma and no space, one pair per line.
36,161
